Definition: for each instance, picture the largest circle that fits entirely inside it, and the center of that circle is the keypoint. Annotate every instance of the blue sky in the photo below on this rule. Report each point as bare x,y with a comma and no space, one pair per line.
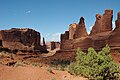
52,17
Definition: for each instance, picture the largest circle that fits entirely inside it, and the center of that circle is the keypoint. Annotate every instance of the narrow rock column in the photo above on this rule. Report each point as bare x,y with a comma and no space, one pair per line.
117,22
80,29
0,42
72,29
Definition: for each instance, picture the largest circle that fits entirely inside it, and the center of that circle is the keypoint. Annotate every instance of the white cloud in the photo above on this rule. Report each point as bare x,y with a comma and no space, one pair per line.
47,35
28,12
90,27
88,32
113,25
56,37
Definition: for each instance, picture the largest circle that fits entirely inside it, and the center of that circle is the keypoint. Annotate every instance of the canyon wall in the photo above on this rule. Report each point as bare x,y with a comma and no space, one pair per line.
21,39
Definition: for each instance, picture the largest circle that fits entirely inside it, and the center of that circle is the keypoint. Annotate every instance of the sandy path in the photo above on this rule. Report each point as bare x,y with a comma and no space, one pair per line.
33,73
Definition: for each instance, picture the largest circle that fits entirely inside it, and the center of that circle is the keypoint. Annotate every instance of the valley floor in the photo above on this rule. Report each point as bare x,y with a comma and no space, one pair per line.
34,73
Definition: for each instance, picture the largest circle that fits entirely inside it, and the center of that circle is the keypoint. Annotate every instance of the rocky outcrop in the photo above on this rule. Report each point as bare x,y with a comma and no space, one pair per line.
44,42
64,36
101,34
0,42
21,39
72,29
54,45
77,30
114,39
103,23
26,36
80,29
43,47
117,22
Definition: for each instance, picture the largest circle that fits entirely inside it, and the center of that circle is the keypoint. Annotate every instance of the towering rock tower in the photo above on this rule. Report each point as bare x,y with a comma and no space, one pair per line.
0,42
114,39
80,29
103,23
117,22
72,29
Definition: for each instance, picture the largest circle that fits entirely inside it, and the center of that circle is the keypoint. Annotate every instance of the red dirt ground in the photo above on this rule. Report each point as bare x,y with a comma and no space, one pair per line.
34,73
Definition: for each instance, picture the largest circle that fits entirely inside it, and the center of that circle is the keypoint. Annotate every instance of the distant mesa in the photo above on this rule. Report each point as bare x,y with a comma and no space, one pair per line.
21,39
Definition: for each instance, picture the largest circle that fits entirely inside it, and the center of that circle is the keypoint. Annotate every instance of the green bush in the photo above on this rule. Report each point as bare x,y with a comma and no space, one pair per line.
49,70
95,65
53,78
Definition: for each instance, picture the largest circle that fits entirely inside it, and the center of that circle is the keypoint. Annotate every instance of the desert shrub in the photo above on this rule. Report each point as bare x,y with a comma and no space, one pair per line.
49,70
35,64
62,67
95,65
53,78
57,62
19,64
4,49
14,51
60,64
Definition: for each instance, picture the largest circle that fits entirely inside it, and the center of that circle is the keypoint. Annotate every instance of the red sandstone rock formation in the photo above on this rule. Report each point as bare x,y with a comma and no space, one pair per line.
65,36
54,45
22,39
102,34
80,29
44,42
117,22
72,29
43,48
103,23
0,42
114,39
77,30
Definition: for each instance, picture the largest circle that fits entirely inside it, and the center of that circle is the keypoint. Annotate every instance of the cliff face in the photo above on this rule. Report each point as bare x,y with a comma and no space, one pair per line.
114,39
101,34
103,23
22,39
